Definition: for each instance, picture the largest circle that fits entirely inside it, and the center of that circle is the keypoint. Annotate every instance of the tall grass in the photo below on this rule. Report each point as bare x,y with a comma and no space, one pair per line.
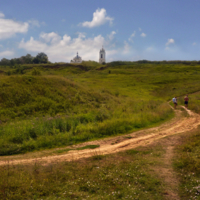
77,103
120,176
194,102
187,164
40,133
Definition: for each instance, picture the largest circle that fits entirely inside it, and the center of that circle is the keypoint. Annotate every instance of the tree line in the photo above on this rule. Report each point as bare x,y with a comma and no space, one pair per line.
28,59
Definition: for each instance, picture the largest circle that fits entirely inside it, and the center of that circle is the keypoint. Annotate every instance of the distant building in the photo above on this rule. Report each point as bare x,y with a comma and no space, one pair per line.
102,56
77,59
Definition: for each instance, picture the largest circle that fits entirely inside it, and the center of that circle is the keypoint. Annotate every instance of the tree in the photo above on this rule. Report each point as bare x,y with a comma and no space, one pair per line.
42,57
28,58
36,60
5,61
12,62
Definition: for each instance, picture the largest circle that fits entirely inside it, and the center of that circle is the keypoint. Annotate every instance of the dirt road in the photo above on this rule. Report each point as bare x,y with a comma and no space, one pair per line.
177,125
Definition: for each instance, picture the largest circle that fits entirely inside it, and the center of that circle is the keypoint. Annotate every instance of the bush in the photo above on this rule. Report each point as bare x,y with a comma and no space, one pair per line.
36,72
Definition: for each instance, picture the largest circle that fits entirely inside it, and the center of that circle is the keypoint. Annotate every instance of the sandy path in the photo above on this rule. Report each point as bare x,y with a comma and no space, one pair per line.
179,124
165,170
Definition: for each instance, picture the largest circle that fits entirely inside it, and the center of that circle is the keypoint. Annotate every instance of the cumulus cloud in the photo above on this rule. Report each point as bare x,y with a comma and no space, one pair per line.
99,18
6,53
170,41
126,48
9,27
34,22
2,15
111,36
143,35
50,37
131,37
64,48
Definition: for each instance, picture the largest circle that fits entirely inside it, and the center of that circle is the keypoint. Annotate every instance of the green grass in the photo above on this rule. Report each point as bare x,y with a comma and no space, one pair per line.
187,164
65,104
62,150
194,102
88,147
41,133
62,105
80,148
187,160
119,176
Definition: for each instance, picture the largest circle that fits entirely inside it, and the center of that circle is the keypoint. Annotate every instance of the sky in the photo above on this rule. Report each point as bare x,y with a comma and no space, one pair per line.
129,30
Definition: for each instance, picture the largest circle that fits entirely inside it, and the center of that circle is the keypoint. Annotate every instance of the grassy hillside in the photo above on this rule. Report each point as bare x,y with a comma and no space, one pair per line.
187,165
45,106
119,176
51,105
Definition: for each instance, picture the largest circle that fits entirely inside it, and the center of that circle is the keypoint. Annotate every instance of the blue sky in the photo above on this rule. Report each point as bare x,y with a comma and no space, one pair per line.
128,29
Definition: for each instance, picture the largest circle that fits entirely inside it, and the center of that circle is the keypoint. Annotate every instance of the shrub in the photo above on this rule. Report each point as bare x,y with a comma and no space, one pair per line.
36,72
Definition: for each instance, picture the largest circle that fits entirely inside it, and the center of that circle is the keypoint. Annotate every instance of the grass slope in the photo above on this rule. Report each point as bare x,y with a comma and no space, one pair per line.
63,104
187,165
119,176
100,101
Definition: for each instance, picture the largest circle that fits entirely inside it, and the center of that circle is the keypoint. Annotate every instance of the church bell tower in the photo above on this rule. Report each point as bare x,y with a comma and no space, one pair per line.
102,56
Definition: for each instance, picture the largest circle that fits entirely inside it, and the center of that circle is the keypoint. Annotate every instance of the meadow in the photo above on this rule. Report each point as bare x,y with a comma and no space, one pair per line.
56,105
124,175
64,105
52,105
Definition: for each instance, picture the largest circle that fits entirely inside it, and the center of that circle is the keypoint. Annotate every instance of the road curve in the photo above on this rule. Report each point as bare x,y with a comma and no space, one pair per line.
178,124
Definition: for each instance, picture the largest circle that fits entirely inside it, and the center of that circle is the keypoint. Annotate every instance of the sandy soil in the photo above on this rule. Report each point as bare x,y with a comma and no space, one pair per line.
177,125
165,170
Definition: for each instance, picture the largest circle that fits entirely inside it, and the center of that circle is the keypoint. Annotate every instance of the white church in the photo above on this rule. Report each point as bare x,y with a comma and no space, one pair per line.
102,57
77,59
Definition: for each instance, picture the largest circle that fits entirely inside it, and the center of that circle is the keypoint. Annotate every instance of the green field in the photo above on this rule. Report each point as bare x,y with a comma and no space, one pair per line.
66,104
57,105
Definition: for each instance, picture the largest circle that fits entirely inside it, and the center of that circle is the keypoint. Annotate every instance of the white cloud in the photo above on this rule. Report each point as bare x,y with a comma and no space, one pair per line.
50,37
140,29
34,22
143,35
99,18
111,36
1,45
133,34
131,37
194,43
9,27
150,49
2,15
6,53
64,48
126,48
170,41
33,45
167,48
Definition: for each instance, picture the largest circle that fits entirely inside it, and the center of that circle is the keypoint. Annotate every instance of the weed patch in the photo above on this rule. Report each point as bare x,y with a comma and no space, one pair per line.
187,165
88,147
118,176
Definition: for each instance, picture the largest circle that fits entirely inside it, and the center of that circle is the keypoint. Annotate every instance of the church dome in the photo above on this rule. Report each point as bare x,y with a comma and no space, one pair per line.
76,59
77,56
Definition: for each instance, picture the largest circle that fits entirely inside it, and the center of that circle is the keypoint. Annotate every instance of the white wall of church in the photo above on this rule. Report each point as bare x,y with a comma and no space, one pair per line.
102,56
